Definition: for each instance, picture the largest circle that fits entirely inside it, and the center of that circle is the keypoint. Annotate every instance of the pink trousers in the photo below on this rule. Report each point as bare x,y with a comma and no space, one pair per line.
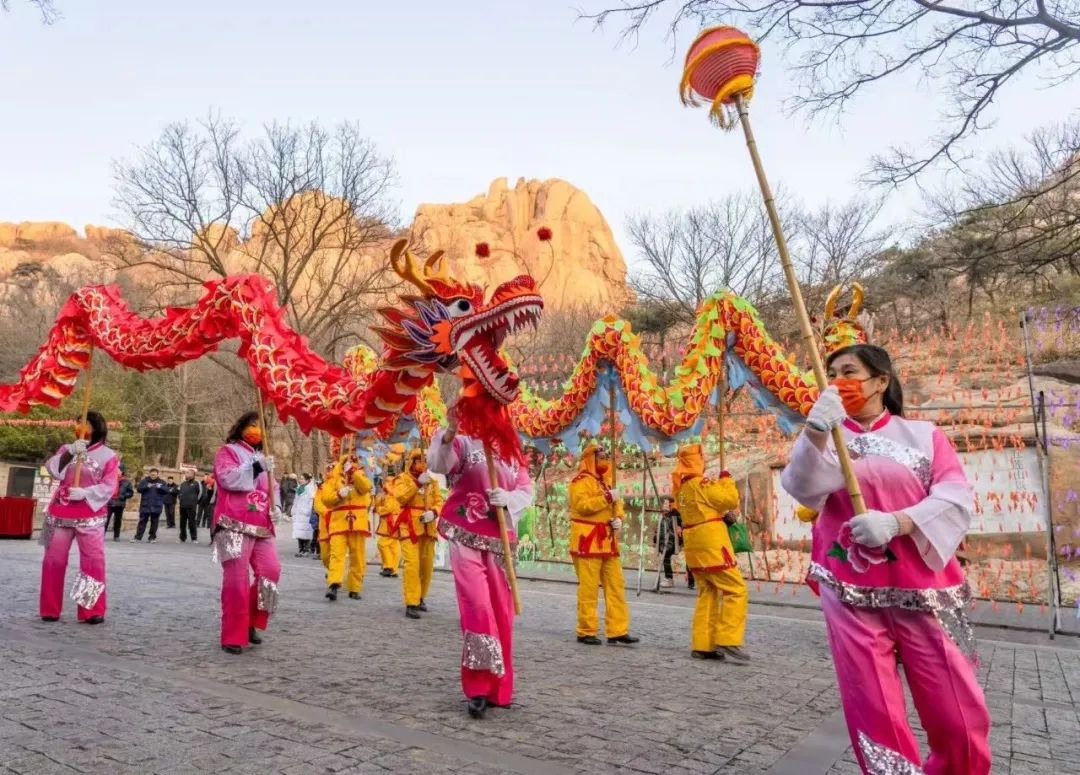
947,696
244,603
487,622
91,577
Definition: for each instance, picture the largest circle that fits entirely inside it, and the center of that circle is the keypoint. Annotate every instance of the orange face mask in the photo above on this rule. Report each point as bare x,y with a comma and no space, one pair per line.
83,430
851,393
603,466
252,435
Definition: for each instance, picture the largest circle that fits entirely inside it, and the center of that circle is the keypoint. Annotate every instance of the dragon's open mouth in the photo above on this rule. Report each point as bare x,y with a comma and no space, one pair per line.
480,338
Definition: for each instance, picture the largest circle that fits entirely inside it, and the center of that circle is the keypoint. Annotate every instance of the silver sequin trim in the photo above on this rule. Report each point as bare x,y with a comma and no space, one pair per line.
236,526
948,604
268,594
885,761
460,535
227,546
48,528
86,590
880,446
483,652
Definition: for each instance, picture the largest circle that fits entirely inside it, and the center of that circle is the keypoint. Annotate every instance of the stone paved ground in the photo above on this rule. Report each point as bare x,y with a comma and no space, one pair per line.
356,687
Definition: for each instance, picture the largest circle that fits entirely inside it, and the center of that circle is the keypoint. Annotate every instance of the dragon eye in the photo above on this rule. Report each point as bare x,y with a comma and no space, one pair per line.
459,307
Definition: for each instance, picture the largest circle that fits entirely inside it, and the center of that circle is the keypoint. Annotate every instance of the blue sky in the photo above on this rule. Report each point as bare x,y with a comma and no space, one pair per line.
458,92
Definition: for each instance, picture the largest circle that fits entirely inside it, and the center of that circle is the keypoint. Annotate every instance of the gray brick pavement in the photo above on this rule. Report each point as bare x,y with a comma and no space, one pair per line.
356,687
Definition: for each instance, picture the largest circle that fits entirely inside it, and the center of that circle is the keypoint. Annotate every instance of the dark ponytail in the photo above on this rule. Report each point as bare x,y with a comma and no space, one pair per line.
879,364
99,429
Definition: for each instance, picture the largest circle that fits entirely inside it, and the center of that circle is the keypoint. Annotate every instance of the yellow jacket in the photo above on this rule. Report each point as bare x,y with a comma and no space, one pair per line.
702,504
414,499
592,507
348,514
387,508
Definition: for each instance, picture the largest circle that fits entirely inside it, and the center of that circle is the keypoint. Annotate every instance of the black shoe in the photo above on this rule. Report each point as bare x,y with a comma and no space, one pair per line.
354,596
331,593
95,619
422,606
232,649
627,639
253,636
50,618
412,612
588,640
477,706
385,572
707,655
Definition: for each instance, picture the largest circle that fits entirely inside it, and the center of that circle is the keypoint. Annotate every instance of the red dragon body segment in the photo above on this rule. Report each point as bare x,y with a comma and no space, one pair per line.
432,331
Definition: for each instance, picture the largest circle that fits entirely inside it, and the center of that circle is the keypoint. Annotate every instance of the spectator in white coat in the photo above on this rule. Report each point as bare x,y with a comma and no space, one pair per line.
302,506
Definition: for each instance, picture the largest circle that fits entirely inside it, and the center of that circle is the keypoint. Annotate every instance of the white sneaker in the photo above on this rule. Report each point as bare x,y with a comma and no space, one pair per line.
667,583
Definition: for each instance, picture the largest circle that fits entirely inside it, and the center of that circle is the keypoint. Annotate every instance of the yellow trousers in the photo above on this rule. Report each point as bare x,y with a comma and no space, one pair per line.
342,546
419,567
389,552
591,572
427,565
720,613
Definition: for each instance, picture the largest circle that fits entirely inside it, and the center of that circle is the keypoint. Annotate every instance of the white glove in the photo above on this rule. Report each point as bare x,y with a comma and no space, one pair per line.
874,528
277,515
827,412
79,447
616,524
424,478
77,494
343,492
428,516
268,463
497,496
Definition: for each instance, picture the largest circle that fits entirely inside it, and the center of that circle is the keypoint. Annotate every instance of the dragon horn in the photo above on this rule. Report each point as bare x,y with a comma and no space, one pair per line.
830,302
856,300
406,267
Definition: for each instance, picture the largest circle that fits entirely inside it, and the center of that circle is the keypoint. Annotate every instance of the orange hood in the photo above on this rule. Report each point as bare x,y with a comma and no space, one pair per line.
689,462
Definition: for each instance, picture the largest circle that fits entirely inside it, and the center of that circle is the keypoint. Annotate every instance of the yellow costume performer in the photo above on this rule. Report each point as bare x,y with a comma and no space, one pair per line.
421,500
595,517
345,498
387,509
720,614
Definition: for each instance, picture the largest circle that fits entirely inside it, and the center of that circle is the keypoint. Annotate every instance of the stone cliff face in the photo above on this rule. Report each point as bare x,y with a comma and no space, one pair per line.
580,265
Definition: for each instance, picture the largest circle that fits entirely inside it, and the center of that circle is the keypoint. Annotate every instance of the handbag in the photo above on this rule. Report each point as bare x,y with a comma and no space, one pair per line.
740,538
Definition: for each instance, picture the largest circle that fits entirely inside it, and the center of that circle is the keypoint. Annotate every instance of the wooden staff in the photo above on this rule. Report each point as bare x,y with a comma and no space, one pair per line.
615,538
88,389
641,537
805,326
266,452
720,421
504,534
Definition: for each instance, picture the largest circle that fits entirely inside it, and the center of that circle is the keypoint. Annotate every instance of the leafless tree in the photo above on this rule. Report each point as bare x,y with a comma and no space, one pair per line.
307,207
1022,207
47,9
970,51
838,244
688,255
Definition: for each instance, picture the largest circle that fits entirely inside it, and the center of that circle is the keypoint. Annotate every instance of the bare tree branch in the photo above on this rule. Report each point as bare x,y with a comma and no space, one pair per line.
971,53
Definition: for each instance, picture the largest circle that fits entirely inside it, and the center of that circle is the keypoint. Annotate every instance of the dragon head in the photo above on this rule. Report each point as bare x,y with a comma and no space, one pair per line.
843,330
449,326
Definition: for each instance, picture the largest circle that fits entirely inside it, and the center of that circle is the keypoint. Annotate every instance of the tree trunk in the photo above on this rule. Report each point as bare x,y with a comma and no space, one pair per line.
181,441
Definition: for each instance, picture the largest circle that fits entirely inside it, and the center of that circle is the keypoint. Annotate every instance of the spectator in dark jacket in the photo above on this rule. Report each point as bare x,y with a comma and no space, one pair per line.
188,497
289,483
152,490
169,502
206,501
117,504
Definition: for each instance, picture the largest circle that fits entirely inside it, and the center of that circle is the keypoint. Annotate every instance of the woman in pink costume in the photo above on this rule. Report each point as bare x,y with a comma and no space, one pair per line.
889,583
88,472
243,535
468,522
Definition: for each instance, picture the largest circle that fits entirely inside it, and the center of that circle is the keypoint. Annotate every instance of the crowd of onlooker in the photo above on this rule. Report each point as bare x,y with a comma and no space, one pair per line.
193,498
